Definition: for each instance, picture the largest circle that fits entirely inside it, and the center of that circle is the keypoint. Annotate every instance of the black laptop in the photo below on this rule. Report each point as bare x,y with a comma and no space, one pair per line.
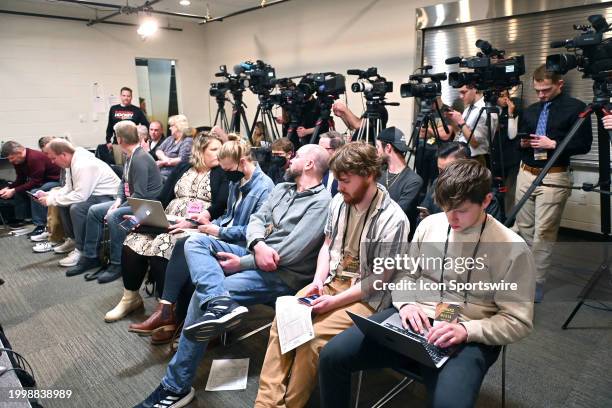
392,335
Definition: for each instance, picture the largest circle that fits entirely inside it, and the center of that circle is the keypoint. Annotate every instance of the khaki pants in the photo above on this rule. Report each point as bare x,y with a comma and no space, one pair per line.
287,380
54,224
539,220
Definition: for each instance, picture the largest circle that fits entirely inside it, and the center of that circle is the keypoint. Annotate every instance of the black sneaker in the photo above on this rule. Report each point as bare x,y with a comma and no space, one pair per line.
221,314
111,273
37,231
15,225
162,398
83,266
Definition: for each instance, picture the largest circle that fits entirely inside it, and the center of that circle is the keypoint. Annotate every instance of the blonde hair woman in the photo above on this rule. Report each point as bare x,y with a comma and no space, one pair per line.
176,148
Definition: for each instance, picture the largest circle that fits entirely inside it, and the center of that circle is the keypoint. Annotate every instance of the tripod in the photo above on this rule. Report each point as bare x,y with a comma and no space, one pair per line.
424,120
264,108
371,124
325,104
221,115
239,115
600,106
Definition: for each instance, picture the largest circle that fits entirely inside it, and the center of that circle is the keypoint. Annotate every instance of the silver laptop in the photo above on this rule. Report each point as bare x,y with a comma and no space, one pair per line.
392,335
150,213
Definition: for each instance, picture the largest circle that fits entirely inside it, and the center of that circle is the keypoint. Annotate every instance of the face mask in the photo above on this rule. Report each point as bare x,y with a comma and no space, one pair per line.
234,175
278,161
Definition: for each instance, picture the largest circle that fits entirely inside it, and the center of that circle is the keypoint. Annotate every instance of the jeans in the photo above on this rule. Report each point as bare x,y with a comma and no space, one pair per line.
247,287
78,217
95,227
455,385
39,212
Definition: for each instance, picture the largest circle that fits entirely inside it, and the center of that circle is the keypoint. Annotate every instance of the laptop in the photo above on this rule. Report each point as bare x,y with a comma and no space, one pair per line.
392,335
150,213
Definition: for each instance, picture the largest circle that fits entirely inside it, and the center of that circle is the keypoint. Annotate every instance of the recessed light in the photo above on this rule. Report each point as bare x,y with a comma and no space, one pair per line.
185,3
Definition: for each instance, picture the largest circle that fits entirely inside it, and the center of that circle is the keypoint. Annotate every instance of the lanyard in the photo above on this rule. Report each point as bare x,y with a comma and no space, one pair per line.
469,274
365,220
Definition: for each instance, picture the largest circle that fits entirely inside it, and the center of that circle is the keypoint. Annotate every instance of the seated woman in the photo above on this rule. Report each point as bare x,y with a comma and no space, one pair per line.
198,187
248,190
175,149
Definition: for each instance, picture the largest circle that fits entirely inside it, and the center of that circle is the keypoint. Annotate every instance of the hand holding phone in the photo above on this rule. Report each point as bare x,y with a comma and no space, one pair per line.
128,224
307,300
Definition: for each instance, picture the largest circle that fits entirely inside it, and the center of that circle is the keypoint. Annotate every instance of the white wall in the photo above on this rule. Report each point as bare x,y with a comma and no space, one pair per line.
47,68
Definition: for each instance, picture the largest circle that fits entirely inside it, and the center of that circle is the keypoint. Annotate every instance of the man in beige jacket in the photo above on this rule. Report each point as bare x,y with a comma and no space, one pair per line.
474,307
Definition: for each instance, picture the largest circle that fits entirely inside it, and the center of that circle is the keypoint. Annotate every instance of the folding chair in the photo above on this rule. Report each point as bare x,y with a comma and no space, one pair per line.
410,377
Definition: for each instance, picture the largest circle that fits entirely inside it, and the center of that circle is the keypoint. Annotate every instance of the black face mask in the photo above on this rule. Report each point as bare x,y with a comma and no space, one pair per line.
278,161
234,175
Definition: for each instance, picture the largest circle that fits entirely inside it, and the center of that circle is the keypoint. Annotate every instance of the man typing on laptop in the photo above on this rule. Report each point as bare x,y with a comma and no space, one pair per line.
473,321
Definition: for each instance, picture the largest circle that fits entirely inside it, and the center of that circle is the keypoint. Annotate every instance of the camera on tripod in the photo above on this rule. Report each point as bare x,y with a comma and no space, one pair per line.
262,77
419,88
323,84
234,83
492,70
592,54
370,83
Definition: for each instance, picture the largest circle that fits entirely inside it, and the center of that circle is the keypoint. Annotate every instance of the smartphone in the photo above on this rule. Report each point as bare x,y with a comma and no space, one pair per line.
128,224
213,251
32,195
308,299
422,208
194,222
524,135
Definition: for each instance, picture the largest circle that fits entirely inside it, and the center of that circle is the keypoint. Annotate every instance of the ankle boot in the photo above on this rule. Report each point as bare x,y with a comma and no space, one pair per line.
167,335
130,301
161,320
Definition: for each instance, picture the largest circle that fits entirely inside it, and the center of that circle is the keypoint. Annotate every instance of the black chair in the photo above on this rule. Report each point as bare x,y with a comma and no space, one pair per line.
410,377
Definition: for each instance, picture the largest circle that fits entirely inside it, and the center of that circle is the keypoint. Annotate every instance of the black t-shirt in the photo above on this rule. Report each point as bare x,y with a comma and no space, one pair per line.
118,113
311,111
562,115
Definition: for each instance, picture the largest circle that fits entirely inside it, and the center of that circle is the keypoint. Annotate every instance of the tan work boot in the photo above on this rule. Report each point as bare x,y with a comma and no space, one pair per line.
130,301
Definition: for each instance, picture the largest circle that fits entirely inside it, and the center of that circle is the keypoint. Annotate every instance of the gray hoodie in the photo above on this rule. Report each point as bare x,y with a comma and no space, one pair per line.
298,220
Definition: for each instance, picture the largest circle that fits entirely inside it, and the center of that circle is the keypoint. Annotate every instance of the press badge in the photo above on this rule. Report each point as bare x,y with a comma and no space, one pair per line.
447,312
126,189
194,207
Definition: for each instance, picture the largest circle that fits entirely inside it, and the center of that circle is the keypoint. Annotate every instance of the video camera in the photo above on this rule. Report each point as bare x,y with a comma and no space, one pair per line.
370,83
234,83
323,83
262,77
418,88
592,54
492,70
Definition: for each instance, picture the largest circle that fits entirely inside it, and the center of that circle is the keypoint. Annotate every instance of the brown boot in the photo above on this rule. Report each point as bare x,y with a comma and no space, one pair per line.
166,336
161,320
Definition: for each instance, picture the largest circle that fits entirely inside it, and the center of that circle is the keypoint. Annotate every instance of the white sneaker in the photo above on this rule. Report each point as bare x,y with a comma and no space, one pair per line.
72,259
44,247
40,237
65,248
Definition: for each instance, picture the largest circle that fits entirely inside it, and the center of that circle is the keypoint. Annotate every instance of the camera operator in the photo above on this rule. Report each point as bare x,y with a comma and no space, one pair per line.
545,124
354,122
464,124
505,154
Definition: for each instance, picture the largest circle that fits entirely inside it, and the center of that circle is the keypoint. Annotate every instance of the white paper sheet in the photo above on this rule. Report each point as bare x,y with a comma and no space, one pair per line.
228,374
294,323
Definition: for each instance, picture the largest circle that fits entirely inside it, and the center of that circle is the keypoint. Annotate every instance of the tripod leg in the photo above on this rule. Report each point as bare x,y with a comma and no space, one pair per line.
242,116
257,112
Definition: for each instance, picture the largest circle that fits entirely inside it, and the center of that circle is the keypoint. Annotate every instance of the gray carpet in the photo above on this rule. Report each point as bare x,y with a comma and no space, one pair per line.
57,323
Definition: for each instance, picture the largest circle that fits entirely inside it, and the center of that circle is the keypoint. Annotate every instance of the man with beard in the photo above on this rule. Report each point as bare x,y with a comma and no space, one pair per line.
402,183
363,223
283,240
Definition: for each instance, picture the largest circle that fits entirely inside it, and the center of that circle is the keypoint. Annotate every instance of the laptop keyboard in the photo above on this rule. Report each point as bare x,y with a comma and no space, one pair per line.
436,353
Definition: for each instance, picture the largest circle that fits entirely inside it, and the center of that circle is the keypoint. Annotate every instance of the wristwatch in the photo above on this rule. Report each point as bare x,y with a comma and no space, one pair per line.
461,126
253,243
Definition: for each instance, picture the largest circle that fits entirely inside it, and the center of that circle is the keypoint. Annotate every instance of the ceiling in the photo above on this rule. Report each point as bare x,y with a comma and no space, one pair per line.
217,8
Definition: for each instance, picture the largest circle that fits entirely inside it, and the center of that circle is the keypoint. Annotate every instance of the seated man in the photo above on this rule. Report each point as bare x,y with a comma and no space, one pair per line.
400,180
89,181
34,172
362,221
141,179
283,238
486,319
331,141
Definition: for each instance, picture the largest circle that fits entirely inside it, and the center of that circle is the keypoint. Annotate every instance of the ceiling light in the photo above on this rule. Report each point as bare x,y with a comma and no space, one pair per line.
185,3
147,28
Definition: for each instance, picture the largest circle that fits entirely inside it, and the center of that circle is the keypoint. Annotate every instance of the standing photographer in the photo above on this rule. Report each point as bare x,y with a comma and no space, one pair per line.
469,127
545,124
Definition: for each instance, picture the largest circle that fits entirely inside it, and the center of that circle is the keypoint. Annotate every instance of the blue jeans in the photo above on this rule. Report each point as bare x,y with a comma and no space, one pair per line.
94,229
39,212
247,287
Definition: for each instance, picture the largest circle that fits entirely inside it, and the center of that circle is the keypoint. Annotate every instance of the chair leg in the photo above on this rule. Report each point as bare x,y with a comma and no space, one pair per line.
503,377
225,341
405,382
359,379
